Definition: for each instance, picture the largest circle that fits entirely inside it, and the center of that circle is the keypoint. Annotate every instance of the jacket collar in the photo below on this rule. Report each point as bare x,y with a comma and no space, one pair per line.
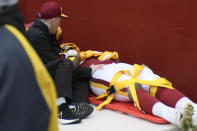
12,16
39,24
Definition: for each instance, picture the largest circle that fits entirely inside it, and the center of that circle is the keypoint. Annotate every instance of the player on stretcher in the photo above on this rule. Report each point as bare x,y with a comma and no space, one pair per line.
136,83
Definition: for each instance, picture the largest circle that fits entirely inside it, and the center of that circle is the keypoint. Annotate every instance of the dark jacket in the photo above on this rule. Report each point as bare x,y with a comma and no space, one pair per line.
22,105
43,42
69,79
48,48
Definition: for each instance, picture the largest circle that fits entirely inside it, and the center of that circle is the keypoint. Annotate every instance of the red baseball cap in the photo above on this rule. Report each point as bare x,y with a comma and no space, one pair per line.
51,10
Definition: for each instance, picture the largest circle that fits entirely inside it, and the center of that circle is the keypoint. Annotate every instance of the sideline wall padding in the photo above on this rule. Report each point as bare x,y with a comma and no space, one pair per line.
161,34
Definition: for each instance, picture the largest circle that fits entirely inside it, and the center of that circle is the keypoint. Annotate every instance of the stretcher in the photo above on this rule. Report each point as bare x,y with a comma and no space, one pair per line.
127,108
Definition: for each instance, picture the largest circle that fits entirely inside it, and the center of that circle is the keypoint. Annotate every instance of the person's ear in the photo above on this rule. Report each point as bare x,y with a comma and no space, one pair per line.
50,23
53,21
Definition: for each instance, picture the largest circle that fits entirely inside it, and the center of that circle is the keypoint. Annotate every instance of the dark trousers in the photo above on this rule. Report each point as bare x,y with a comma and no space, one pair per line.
76,90
80,90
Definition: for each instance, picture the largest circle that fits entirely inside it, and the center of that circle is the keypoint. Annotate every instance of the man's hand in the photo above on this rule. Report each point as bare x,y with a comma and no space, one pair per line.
77,60
96,67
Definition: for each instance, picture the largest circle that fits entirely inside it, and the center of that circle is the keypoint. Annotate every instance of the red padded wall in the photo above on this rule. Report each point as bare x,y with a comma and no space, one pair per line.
160,34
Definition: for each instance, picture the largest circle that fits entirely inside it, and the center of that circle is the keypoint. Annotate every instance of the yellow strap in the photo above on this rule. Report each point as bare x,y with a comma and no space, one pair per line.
43,78
87,54
160,82
153,90
136,71
109,98
101,96
101,55
104,87
118,87
110,56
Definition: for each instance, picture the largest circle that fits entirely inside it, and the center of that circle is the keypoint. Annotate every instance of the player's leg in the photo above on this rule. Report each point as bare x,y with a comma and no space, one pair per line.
176,99
152,105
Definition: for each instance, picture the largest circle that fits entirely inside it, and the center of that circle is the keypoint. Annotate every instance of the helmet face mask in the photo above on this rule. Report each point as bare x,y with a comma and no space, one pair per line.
65,48
69,46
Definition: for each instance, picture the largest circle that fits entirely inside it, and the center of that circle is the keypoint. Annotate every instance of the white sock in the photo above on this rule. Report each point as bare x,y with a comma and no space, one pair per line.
182,102
163,111
60,100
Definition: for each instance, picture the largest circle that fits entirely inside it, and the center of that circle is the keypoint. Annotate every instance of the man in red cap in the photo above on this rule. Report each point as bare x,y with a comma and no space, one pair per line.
71,82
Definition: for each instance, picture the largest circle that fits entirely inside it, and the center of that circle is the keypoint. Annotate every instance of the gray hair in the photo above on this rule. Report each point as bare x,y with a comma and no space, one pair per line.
7,2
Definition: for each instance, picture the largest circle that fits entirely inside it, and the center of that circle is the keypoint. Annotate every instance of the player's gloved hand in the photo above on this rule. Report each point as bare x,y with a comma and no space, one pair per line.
71,53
